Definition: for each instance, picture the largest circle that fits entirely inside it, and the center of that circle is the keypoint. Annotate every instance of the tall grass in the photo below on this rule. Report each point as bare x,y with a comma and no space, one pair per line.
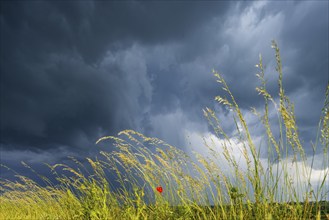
277,188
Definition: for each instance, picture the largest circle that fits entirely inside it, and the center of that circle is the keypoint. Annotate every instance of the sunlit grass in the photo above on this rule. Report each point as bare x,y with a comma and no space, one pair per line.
193,188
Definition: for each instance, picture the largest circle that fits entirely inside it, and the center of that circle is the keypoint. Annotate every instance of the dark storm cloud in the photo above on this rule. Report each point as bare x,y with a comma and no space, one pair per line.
60,84
74,71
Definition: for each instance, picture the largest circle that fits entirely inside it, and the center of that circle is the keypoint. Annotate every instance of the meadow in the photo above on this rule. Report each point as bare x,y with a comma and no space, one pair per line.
193,188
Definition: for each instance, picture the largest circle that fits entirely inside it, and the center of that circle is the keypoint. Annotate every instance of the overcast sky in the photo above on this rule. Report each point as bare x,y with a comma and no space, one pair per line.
74,71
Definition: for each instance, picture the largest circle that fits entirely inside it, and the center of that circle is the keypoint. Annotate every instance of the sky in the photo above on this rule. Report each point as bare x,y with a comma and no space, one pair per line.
75,71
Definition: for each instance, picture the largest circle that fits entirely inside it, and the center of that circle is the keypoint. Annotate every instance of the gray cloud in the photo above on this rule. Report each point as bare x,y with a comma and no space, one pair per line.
74,71
53,95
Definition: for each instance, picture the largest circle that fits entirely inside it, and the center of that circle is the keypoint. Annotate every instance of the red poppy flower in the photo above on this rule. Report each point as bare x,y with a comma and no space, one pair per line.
159,189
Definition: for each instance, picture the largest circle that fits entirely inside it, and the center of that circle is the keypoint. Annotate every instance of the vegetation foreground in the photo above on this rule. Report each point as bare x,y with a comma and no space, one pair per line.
201,188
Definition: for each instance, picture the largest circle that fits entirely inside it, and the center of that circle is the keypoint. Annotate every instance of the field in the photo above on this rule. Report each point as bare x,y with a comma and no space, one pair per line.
193,188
